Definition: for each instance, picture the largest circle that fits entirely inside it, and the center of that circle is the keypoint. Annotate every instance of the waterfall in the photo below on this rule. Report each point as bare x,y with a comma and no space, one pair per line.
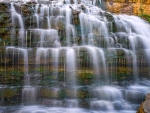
71,56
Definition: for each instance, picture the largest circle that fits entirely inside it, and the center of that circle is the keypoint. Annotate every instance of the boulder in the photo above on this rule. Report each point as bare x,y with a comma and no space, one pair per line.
140,110
145,106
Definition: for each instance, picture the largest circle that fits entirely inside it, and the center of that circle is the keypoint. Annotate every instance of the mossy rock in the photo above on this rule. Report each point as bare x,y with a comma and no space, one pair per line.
6,39
55,11
85,78
4,30
84,93
78,39
5,4
2,49
49,93
4,7
5,23
109,16
2,43
3,11
8,93
5,16
60,26
70,93
145,17
26,10
121,53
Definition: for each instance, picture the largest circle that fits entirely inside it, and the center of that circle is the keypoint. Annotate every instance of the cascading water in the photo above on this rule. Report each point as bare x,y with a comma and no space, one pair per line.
73,58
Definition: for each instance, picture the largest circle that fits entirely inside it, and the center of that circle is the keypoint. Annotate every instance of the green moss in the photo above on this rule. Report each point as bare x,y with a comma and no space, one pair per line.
51,93
41,70
46,93
145,16
3,30
85,78
8,93
109,16
84,93
11,76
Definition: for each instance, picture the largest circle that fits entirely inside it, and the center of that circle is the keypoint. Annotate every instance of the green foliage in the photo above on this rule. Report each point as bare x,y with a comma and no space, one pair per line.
145,17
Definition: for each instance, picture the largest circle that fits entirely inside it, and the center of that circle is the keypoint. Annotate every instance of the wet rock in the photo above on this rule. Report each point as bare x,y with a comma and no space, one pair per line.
4,31
5,16
134,96
61,26
109,16
26,10
118,105
31,2
53,19
8,93
17,8
141,110
76,17
145,106
70,103
5,23
54,11
29,22
4,7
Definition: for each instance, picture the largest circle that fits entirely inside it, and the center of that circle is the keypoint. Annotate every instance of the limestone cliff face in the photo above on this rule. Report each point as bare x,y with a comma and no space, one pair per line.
131,7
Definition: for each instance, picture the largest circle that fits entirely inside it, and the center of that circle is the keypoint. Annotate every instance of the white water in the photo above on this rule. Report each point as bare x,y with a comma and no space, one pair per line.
55,55
71,66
